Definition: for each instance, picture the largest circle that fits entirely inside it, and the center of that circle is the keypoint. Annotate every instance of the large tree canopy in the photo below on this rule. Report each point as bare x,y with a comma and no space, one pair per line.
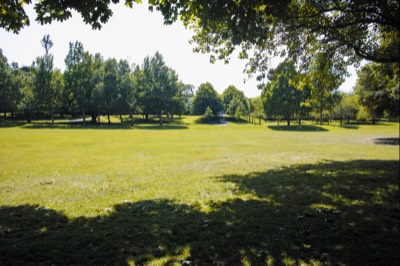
377,89
347,31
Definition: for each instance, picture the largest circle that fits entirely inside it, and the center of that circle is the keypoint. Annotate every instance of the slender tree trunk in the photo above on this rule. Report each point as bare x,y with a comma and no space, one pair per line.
52,117
108,117
131,117
146,117
161,122
320,116
84,116
288,120
5,114
348,119
120,118
28,117
94,118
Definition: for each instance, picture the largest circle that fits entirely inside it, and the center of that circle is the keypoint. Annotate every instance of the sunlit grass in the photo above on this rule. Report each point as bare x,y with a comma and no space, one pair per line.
196,186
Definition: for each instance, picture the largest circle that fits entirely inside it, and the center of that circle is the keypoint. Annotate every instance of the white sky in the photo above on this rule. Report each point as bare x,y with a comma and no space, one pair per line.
133,34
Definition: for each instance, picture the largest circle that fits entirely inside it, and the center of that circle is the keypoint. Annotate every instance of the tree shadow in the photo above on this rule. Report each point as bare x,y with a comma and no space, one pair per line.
94,126
77,125
333,213
163,127
215,120
387,141
305,128
11,123
349,126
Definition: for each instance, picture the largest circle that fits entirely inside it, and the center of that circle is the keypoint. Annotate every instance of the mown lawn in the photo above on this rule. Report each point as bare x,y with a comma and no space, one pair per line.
187,193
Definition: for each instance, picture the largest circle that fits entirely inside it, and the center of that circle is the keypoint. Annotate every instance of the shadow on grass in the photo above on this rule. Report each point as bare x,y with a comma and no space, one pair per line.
349,126
11,123
77,125
153,125
305,128
387,141
334,213
216,120
163,127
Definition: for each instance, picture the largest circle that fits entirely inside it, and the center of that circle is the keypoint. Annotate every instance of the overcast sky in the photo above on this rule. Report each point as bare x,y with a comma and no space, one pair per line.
133,34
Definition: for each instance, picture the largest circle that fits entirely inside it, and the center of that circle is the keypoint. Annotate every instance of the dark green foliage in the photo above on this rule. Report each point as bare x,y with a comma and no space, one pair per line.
282,99
78,77
377,89
348,31
207,96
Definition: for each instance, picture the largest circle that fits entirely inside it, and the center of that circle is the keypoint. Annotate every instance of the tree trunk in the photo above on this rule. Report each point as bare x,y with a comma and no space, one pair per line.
131,117
320,116
94,118
348,119
108,117
5,114
28,117
288,120
259,121
84,116
160,116
146,117
52,117
120,118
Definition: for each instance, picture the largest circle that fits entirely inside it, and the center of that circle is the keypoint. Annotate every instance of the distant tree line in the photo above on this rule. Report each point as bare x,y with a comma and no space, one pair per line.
94,86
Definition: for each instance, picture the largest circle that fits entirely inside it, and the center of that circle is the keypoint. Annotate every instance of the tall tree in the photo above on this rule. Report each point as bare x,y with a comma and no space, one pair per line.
27,103
377,89
257,107
127,89
16,82
78,76
158,85
347,107
280,97
207,96
110,86
324,77
96,101
45,93
232,97
4,83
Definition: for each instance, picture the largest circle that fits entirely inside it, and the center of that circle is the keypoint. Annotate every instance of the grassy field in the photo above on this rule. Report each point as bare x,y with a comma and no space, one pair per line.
195,194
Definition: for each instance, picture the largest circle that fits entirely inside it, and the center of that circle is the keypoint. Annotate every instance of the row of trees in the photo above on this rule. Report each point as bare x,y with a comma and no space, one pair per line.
292,94
93,86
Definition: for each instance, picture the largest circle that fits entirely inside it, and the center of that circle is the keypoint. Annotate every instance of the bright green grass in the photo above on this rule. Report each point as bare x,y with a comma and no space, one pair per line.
212,194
